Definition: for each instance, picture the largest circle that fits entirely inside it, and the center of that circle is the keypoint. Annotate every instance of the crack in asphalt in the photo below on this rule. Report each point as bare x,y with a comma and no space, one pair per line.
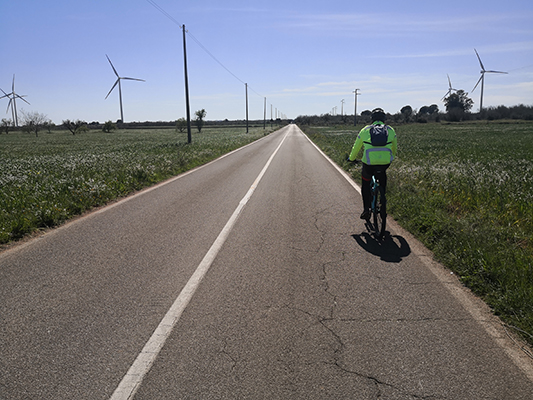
322,233
379,384
228,355
421,319
340,345
337,353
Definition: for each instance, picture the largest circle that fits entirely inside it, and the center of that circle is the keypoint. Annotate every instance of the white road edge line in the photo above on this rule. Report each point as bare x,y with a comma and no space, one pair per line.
132,380
341,171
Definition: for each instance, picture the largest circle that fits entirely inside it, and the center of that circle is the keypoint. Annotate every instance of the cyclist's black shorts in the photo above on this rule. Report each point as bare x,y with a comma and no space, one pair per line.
374,170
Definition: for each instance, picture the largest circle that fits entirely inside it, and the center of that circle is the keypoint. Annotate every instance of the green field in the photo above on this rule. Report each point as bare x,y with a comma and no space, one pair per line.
48,179
466,191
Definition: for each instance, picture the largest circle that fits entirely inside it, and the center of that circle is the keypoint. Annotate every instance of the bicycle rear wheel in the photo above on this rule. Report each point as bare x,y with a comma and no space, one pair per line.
380,212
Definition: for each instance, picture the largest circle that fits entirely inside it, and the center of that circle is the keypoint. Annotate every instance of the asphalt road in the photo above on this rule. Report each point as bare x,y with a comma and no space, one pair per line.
295,299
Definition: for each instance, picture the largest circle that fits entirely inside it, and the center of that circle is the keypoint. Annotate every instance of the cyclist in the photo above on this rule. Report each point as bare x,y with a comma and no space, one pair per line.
379,149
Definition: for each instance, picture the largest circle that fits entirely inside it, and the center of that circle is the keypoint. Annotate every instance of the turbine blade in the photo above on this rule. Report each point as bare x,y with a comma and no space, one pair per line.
480,78
133,79
116,83
112,66
13,85
5,94
21,97
497,72
449,81
480,63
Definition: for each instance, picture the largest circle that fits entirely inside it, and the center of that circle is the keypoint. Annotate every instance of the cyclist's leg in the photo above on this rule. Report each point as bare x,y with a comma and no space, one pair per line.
366,175
380,216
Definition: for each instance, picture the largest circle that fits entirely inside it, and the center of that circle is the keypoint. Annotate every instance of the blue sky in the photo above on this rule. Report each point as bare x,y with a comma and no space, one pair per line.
305,57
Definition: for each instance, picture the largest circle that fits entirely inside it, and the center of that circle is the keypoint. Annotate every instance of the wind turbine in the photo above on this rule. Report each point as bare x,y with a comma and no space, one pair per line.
450,89
482,79
119,78
12,101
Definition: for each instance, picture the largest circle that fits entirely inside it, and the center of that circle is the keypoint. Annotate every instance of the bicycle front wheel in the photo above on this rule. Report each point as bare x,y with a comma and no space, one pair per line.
380,213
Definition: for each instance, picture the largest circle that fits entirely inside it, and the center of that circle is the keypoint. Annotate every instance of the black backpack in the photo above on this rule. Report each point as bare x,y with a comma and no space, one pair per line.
379,135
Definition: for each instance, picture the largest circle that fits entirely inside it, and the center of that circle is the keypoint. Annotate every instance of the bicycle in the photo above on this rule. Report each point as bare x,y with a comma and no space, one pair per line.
378,206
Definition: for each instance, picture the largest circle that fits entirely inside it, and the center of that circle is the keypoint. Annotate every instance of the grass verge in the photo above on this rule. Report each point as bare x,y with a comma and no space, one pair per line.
46,180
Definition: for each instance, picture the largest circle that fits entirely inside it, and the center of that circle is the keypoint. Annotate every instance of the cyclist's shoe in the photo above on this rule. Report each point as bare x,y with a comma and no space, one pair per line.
365,215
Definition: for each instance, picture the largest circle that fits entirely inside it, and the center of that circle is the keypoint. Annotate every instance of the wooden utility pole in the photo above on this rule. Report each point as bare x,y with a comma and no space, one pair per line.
246,107
187,106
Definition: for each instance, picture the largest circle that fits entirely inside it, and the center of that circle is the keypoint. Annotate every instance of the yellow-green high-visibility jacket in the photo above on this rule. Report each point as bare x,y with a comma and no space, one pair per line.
374,155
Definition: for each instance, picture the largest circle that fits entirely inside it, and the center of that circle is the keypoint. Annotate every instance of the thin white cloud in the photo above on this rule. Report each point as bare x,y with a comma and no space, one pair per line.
307,89
390,25
500,48
219,9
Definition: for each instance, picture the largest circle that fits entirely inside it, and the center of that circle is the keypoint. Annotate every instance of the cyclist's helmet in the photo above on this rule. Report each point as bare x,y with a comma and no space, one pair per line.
378,115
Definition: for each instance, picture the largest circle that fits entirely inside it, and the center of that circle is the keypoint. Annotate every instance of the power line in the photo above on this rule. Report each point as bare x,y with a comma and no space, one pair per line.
220,63
213,57
162,11
166,14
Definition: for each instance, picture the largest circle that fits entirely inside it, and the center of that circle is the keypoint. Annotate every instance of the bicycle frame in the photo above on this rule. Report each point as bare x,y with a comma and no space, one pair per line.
374,185
379,208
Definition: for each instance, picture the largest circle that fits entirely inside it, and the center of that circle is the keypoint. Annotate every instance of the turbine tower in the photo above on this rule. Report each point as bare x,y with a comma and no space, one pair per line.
119,78
12,102
482,79
450,90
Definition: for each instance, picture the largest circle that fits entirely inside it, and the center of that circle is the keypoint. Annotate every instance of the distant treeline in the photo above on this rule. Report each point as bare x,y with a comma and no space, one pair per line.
424,115
172,124
95,125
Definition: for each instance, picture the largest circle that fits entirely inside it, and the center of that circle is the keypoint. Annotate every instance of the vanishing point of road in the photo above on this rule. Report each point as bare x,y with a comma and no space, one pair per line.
251,277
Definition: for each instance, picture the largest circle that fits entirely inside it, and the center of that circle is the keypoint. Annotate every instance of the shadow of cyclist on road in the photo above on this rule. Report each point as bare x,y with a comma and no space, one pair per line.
390,249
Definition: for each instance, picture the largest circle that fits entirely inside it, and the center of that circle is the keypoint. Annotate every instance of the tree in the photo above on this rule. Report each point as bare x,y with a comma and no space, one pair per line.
109,126
75,126
428,113
6,124
181,124
200,115
406,112
423,110
48,125
457,105
33,121
433,109
458,100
